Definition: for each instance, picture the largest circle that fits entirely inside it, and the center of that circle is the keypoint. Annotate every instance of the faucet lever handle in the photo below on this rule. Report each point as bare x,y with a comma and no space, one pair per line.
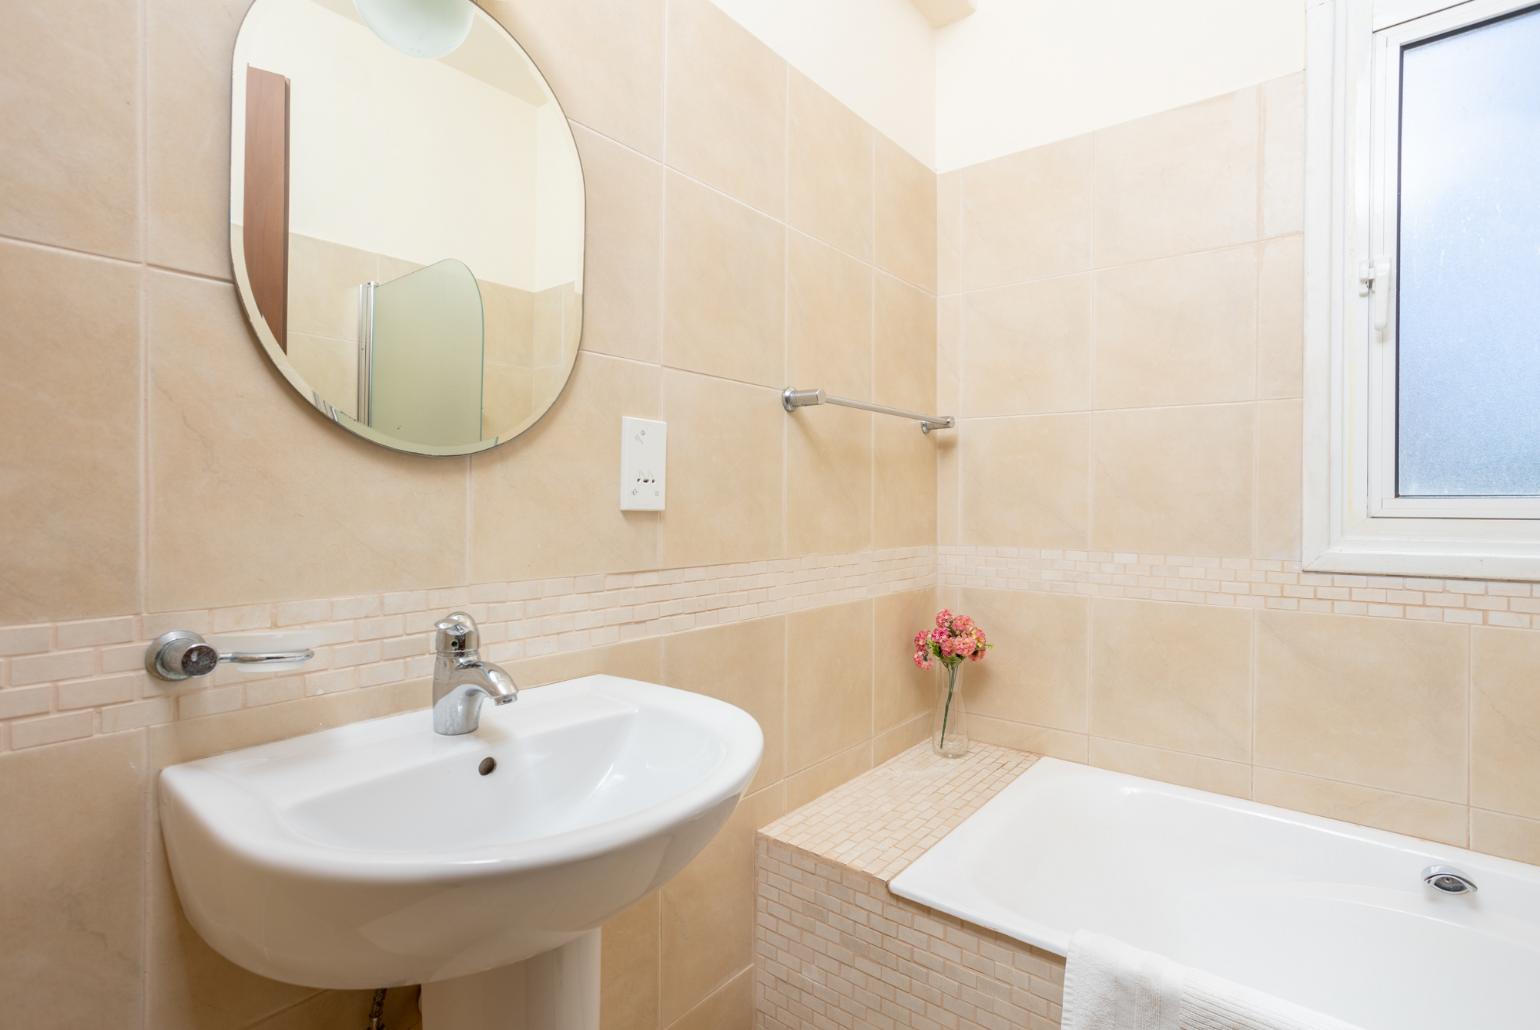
456,634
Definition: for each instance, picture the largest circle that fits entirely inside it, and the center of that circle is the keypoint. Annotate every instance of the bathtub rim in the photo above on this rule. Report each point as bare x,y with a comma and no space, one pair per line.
1056,940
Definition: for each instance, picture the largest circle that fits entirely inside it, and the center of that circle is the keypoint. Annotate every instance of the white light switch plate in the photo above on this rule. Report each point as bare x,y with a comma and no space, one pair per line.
643,463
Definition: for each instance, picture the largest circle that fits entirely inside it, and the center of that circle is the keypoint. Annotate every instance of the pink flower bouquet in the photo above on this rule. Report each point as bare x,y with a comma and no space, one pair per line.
953,640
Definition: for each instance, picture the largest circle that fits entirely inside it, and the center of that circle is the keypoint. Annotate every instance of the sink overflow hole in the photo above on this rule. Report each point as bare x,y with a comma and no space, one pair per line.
487,765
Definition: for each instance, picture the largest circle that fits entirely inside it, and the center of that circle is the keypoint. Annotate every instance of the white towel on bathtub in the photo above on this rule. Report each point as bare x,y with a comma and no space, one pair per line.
1110,985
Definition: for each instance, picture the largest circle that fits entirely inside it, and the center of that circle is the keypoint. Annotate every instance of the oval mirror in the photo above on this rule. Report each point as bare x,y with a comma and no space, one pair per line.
406,210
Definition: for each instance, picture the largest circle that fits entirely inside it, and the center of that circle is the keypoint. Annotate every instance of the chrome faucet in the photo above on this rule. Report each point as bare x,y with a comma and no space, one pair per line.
461,680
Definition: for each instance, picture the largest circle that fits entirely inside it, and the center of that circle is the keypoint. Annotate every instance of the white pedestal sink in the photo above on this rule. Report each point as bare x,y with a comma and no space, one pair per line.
383,854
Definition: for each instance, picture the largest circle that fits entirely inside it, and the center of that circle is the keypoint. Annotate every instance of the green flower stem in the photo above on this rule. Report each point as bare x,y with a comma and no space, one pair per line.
946,710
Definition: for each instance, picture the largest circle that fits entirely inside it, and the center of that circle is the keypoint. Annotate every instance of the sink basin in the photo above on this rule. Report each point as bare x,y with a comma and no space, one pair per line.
381,853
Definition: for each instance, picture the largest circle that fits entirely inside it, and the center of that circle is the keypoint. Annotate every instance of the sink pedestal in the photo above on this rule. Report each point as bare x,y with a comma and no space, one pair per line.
558,990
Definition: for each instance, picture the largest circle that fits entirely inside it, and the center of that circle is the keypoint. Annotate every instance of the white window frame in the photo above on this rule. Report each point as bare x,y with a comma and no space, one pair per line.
1353,520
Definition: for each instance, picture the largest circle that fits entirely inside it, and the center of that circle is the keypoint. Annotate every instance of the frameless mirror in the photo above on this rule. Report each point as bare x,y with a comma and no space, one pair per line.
406,210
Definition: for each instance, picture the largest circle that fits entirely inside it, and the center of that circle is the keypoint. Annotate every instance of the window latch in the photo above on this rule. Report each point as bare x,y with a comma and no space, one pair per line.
1374,283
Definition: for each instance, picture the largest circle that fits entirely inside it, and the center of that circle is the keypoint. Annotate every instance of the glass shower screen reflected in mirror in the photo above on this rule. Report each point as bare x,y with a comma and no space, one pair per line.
407,231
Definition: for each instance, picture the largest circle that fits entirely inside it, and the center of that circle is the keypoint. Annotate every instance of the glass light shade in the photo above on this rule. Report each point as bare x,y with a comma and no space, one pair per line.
419,28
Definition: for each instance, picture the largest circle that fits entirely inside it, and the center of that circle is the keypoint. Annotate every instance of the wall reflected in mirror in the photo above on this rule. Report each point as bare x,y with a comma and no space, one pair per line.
407,231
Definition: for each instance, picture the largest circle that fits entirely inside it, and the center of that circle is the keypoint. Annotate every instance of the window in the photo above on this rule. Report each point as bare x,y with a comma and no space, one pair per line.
1423,288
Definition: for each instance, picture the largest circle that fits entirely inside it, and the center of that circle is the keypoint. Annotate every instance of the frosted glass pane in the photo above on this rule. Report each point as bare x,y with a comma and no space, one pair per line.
1469,299
425,362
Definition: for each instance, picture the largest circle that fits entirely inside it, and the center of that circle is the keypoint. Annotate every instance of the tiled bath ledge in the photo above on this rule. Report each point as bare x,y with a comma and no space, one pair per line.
68,680
834,949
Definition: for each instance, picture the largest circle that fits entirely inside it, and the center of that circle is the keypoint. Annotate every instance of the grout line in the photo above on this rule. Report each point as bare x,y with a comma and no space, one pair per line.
786,305
148,801
660,549
1251,702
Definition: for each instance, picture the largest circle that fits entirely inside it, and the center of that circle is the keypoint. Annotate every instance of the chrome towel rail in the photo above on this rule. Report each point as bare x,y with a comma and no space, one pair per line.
792,399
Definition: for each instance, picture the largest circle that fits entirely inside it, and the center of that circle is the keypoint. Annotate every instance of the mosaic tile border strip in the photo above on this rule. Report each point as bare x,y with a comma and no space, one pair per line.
69,680
881,821
1243,583
834,950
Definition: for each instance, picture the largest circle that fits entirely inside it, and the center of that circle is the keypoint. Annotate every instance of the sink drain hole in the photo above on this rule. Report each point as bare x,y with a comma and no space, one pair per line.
487,765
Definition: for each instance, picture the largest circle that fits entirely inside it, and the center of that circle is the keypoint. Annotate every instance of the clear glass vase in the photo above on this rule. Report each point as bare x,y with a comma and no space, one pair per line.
949,730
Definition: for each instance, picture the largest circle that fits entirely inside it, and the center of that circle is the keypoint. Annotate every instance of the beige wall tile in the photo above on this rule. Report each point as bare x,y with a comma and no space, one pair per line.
828,482
1283,155
1040,740
947,446
901,738
1365,806
1173,676
948,493
731,1007
629,969
828,319
73,904
904,484
303,508
901,690
1280,438
726,106
545,503
1177,331
1505,721
726,445
323,286
69,172
817,780
828,682
949,347
724,287
1027,349
69,435
603,59
904,360
1185,770
949,197
1027,215
187,123
1281,318
1179,181
708,911
1024,481
743,664
829,169
636,659
1173,480
1037,670
622,256
191,739
905,216
1505,835
1377,702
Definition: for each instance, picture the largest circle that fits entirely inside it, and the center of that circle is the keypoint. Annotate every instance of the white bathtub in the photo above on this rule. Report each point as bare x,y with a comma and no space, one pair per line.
1325,914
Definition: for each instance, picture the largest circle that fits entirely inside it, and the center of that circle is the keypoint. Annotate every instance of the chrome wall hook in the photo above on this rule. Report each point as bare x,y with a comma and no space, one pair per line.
182,654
